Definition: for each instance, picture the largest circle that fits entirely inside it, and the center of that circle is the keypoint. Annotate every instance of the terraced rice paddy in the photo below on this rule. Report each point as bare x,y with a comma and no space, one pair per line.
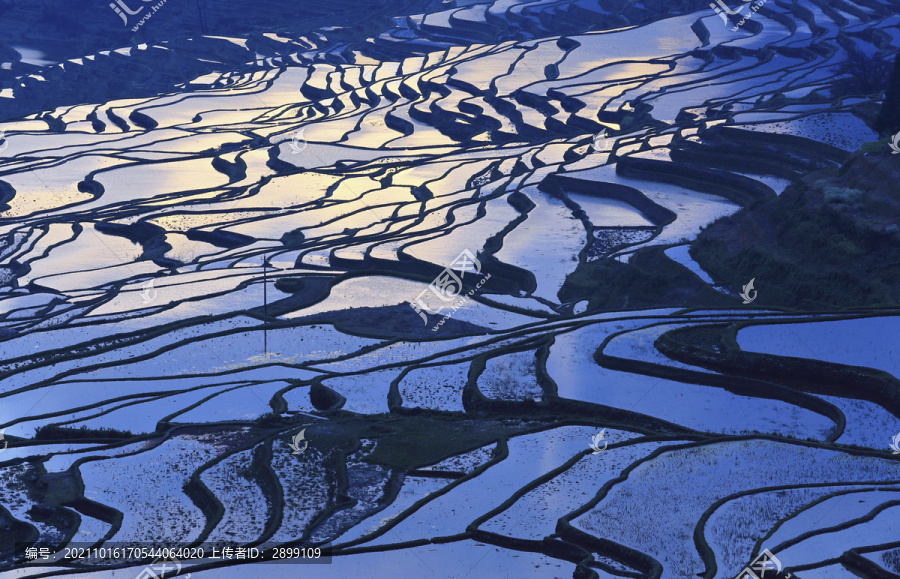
195,270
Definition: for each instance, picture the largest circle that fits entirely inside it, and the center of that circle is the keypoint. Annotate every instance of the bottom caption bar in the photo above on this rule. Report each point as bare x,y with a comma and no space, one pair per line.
169,556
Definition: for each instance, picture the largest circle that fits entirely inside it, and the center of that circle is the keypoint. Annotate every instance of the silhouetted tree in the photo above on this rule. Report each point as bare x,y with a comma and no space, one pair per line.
888,121
865,73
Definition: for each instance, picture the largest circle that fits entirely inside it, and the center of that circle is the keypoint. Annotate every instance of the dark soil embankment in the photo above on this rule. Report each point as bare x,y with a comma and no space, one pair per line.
831,240
715,347
648,280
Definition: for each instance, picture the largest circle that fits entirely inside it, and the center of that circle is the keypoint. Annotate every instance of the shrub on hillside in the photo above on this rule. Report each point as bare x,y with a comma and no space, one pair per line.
864,73
839,195
55,432
888,121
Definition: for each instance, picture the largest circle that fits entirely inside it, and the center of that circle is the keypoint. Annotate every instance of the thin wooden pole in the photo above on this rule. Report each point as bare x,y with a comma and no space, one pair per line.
265,305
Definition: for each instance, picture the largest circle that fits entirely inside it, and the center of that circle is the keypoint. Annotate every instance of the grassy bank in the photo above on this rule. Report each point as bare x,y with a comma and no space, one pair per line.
830,241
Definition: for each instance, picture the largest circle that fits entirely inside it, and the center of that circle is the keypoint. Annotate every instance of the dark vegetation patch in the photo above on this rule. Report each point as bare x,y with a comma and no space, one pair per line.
399,321
271,420
49,491
648,280
408,441
861,73
225,239
310,286
14,531
888,120
293,238
151,238
417,441
324,398
91,187
7,192
608,240
142,120
892,560
235,171
55,432
829,241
